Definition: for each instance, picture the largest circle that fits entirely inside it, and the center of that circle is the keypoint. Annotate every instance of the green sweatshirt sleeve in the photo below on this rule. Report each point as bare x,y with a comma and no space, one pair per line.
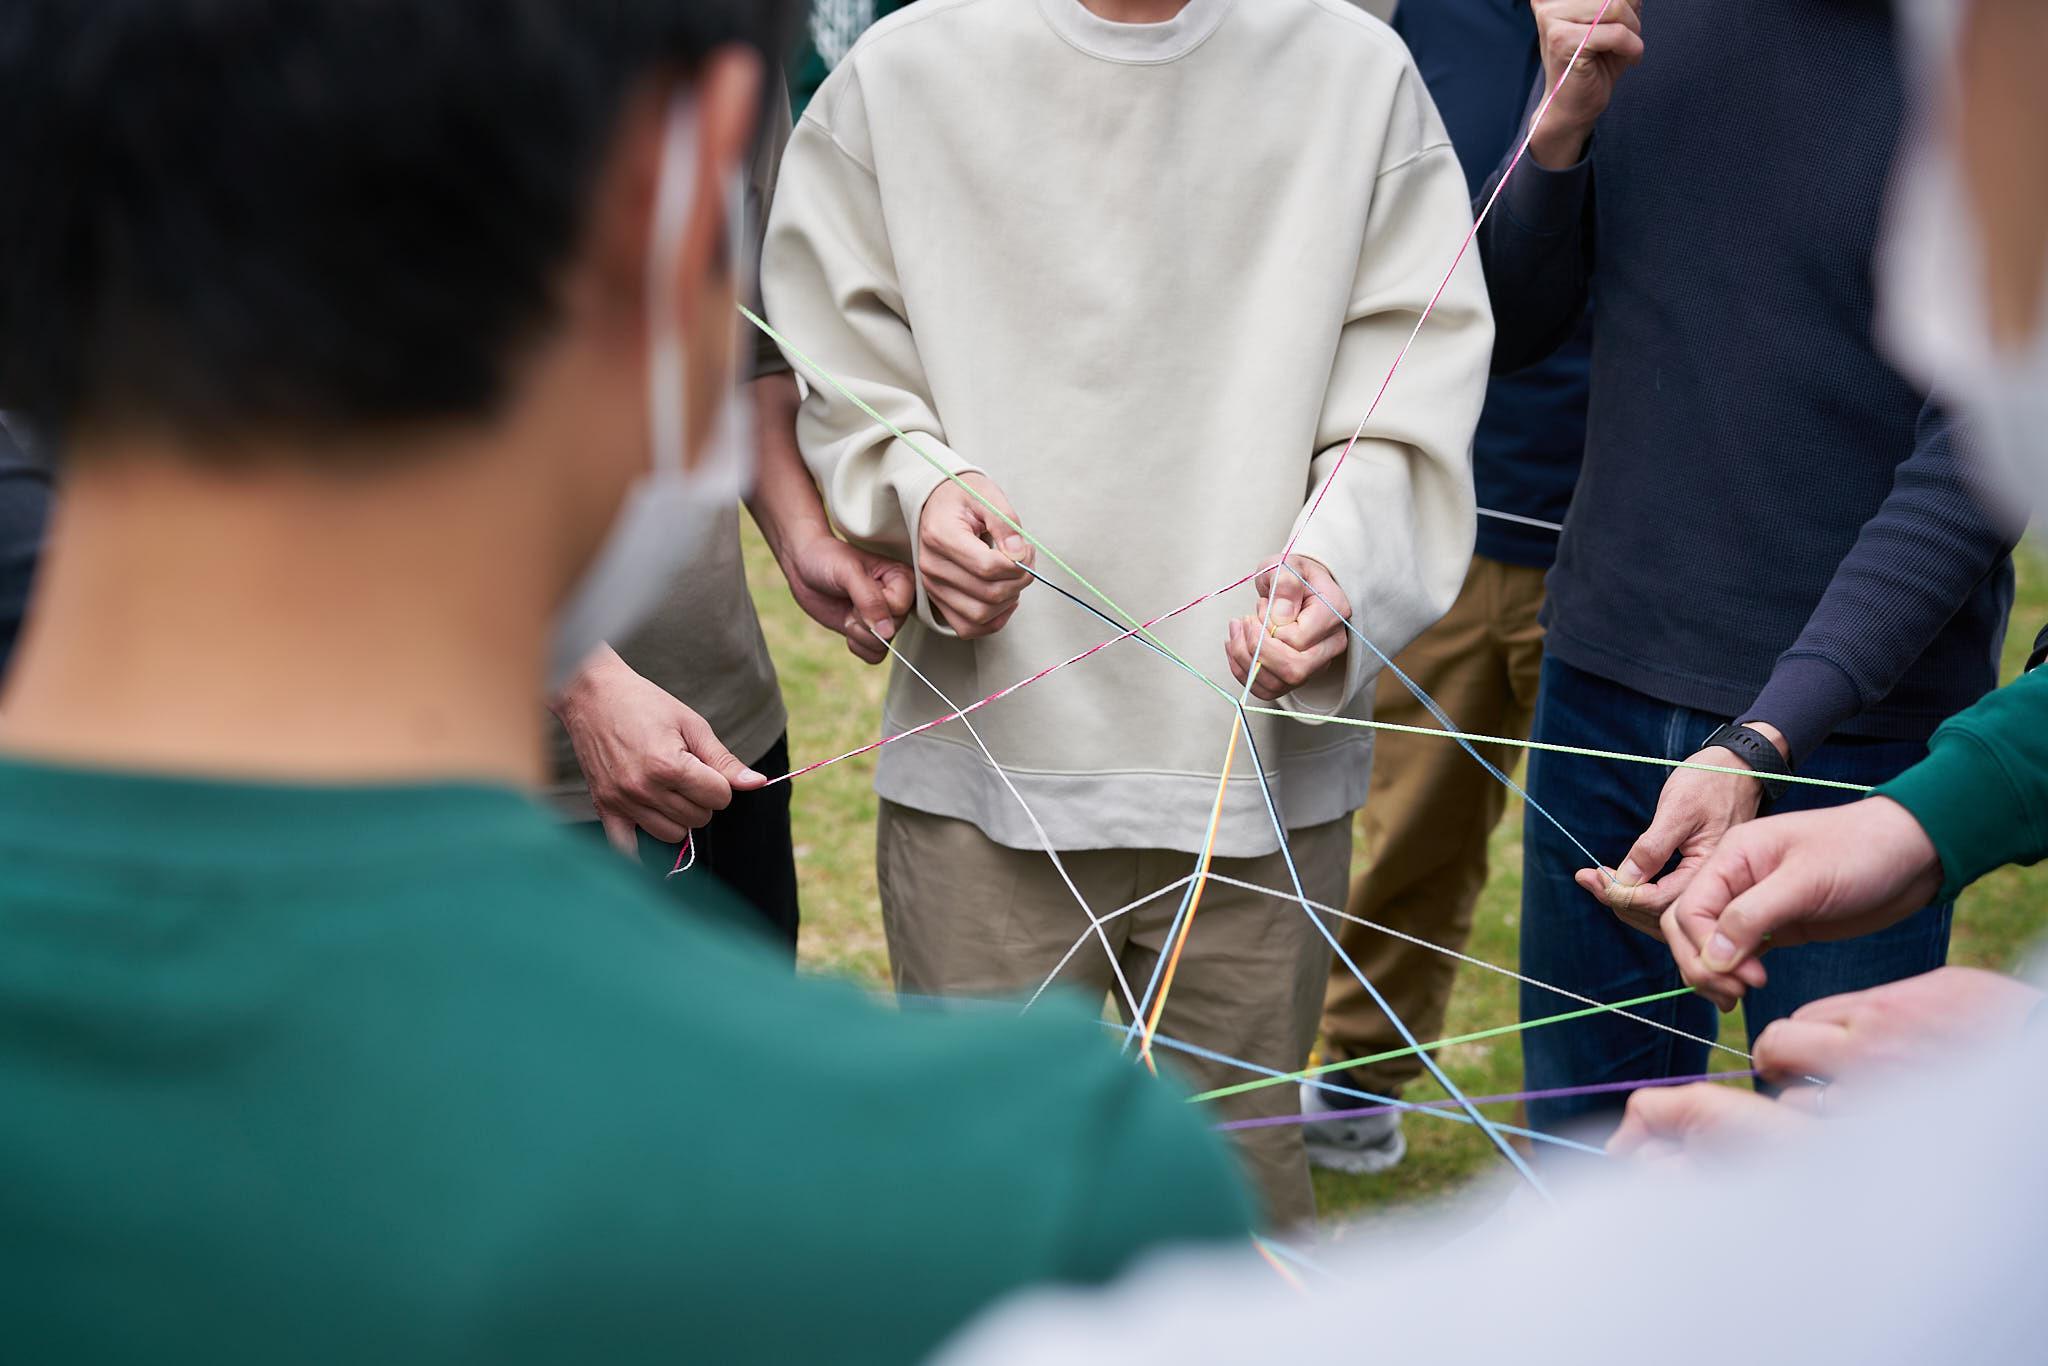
1982,792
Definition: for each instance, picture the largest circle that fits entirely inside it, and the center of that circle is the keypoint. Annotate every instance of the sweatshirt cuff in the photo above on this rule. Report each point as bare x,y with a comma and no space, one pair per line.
1332,690
1950,793
1806,699
914,479
1546,202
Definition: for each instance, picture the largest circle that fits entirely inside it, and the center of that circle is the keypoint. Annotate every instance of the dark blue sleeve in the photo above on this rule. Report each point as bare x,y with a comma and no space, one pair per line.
24,509
1537,248
1912,567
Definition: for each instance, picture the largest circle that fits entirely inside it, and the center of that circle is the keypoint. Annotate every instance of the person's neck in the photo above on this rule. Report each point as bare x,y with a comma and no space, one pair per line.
274,623
1135,11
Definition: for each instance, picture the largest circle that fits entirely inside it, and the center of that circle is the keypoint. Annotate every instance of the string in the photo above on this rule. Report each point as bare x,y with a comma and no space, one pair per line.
1535,123
1417,940
1285,1272
1338,1089
1125,633
1518,518
1115,963
1450,727
1512,1097
1547,748
1423,1050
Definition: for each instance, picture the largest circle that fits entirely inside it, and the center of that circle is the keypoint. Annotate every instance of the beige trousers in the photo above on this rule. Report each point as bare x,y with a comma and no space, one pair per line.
966,916
1428,815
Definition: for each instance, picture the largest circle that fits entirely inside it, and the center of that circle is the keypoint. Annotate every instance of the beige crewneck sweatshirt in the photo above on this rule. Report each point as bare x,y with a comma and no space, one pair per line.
1147,278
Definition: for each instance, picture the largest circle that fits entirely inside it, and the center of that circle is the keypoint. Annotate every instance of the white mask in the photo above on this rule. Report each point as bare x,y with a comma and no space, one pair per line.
670,511
1933,316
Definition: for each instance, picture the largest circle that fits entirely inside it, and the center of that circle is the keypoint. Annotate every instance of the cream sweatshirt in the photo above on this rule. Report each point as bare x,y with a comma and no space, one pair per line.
1146,278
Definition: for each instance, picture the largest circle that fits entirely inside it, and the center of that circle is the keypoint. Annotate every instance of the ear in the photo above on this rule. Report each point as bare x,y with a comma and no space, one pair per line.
612,275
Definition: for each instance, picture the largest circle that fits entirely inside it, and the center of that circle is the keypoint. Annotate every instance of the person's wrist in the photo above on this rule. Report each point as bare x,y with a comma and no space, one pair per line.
1895,828
1559,146
1774,735
791,541
593,678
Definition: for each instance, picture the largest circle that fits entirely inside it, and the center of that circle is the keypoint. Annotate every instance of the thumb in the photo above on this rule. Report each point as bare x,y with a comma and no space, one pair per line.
620,832
1000,532
899,586
870,603
704,745
1749,922
1647,857
1288,595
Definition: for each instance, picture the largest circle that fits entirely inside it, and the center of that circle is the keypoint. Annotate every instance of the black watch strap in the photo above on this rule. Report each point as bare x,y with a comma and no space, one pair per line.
1756,750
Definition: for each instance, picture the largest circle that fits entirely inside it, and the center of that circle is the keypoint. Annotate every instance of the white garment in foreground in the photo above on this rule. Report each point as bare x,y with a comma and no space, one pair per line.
1912,1233
1148,278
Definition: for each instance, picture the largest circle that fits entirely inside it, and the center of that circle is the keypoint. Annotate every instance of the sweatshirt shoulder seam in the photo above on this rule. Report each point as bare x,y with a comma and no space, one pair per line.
824,130
1418,154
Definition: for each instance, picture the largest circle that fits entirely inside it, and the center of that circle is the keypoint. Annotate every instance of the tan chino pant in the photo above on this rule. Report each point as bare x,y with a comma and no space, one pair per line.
1428,814
966,916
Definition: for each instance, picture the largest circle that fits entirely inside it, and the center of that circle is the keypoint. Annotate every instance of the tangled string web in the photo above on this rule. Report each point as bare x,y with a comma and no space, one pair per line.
1143,1010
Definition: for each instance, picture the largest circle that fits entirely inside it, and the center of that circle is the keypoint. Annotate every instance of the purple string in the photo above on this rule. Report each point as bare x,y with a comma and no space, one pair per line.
1555,1093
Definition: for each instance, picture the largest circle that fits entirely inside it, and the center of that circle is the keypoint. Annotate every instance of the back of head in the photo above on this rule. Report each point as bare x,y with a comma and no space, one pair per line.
307,216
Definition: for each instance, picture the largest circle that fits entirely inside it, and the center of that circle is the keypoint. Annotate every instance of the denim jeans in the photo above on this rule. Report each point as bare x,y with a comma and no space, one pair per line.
1570,940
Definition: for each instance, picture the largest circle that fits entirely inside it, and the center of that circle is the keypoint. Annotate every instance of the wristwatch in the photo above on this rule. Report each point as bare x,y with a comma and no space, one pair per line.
1758,752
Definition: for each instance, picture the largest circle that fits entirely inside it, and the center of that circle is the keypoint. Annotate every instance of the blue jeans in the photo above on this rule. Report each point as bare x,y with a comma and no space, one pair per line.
1570,940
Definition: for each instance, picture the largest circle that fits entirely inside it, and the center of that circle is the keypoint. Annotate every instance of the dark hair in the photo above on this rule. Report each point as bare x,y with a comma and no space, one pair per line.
314,215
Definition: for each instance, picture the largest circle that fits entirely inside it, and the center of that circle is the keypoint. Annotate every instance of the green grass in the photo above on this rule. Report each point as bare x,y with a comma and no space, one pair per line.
835,705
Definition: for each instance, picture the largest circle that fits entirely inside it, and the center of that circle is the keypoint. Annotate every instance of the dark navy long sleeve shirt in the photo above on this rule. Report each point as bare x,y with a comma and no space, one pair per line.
1479,60
1770,522
24,510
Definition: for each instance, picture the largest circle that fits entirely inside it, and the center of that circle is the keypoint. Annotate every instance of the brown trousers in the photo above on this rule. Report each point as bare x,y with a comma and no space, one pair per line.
1428,815
966,916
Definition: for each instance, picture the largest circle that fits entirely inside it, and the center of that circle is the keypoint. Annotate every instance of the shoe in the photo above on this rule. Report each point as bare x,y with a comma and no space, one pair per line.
1364,1146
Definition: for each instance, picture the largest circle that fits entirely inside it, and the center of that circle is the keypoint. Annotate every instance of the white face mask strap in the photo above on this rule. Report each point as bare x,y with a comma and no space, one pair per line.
673,197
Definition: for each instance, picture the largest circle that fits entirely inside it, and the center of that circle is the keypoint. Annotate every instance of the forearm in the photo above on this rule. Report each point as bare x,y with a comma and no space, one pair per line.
1913,565
1982,792
785,502
1537,248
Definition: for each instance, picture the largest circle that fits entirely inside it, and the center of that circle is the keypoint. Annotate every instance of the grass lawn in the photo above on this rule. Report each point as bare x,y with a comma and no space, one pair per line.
835,704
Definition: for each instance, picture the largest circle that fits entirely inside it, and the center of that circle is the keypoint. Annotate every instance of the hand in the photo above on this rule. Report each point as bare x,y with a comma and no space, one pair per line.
1305,637
1784,880
1920,1022
1694,812
1684,1123
1616,45
969,557
651,762
864,597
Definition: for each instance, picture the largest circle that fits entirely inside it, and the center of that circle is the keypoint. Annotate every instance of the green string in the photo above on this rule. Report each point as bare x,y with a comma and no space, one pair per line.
1134,623
1583,753
1493,1033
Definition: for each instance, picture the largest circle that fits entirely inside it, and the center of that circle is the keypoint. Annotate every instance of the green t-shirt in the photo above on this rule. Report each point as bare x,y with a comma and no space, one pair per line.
407,1074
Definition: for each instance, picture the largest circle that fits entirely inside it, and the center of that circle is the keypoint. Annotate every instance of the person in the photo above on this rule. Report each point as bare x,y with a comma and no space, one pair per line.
1979,800
1149,347
1430,807
319,1039
1779,555
1948,1273
629,758
24,512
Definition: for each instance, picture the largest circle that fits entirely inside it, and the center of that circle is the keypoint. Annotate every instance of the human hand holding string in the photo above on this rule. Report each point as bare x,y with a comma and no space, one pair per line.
1792,879
972,561
1615,45
650,761
1304,638
1695,811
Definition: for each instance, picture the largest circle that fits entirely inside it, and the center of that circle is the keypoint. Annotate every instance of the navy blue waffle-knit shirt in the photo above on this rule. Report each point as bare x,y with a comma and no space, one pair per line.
1770,523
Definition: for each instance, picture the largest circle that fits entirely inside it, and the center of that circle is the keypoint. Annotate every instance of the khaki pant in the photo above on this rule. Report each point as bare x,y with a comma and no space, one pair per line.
1428,815
966,916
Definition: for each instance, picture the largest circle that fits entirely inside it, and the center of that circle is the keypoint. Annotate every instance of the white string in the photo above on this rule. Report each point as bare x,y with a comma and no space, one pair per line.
1115,963
1520,519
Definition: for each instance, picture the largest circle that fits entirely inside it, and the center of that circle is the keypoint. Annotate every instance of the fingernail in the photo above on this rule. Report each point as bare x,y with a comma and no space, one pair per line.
1720,954
885,630
1628,872
1015,545
749,775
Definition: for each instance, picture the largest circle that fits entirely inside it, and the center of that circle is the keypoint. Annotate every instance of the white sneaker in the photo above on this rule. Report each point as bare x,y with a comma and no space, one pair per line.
1362,1146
